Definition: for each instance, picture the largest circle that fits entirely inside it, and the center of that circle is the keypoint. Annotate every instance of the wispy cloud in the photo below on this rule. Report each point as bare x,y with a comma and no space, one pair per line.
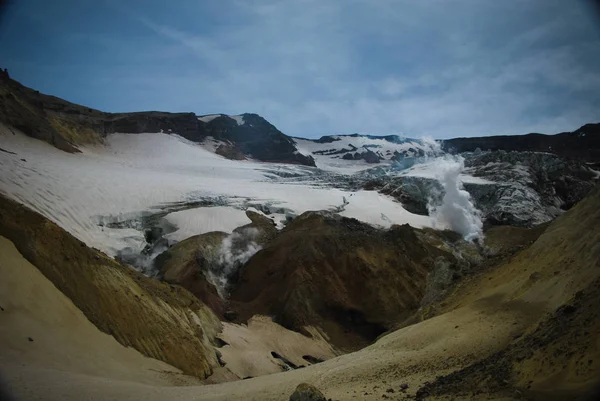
312,67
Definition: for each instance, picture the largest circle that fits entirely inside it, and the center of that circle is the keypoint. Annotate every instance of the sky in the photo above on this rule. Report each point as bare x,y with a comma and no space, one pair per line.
442,68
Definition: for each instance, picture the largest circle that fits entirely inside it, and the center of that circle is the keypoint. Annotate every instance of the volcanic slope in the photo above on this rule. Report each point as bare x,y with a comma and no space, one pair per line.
531,316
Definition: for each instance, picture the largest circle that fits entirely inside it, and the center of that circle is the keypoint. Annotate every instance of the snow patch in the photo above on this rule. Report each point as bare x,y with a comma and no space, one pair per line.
238,119
208,118
202,220
144,174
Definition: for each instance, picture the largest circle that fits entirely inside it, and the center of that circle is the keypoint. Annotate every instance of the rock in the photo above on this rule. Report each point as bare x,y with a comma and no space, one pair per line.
307,392
582,144
524,189
253,135
349,279
189,263
529,188
311,359
30,339
230,315
371,157
265,227
230,152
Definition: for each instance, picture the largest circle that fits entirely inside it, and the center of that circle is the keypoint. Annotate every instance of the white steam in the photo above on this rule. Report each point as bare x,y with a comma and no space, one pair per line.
456,211
235,250
238,247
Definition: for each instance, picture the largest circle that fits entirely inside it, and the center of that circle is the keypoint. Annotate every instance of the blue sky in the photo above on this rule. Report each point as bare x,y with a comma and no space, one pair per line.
442,68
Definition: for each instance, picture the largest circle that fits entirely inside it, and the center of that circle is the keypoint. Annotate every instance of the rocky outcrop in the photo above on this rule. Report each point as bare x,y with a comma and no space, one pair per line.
254,136
159,320
413,192
189,263
50,119
529,188
347,278
523,188
307,392
369,156
184,124
207,264
265,227
66,125
230,152
581,144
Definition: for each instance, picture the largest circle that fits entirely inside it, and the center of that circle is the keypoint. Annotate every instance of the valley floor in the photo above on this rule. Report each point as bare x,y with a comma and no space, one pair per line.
545,296
69,357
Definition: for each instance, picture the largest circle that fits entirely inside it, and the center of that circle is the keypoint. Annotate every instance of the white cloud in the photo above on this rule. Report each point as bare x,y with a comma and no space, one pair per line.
442,68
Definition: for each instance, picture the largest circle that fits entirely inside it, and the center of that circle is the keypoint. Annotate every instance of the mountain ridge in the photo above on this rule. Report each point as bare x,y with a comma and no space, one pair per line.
67,125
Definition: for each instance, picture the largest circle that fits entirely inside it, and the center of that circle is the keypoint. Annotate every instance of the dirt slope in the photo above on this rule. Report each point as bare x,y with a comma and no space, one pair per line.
40,327
530,321
161,321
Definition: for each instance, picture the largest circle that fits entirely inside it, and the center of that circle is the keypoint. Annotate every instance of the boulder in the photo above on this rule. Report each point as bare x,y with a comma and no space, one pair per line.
307,392
265,227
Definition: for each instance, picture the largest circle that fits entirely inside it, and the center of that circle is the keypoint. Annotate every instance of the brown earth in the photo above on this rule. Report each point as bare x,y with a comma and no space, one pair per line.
187,263
557,356
530,321
161,321
40,328
265,226
347,278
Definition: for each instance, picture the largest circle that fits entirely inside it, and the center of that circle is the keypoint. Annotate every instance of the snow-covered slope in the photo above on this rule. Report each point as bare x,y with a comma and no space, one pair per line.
351,153
108,195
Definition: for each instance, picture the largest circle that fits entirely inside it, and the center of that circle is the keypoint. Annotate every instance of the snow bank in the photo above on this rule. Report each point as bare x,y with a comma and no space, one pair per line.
202,220
137,174
238,119
208,118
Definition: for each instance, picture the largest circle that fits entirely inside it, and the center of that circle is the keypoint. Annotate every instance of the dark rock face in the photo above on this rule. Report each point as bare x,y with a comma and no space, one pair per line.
184,124
47,118
349,279
582,144
307,392
371,157
524,189
529,188
254,136
413,192
230,152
